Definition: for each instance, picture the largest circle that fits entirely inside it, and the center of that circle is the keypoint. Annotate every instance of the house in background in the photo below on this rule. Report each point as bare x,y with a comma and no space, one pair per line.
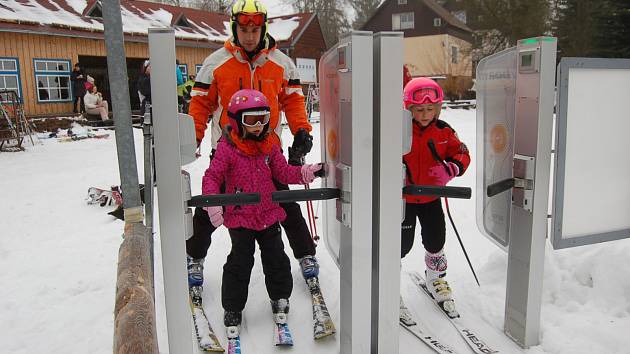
437,43
41,40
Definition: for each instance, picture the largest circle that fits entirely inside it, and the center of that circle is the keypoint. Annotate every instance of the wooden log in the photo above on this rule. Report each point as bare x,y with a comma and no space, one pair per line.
134,312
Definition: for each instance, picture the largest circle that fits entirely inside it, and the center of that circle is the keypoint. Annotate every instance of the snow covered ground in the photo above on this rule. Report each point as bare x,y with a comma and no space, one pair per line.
58,259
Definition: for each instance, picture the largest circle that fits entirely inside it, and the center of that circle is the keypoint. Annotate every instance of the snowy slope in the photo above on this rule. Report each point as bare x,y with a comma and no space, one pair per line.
58,259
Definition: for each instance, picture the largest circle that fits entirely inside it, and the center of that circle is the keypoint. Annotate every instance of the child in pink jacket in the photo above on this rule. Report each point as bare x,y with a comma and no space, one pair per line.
247,160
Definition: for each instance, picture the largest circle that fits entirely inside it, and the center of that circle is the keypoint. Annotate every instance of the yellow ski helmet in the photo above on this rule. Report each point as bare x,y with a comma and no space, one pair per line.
246,12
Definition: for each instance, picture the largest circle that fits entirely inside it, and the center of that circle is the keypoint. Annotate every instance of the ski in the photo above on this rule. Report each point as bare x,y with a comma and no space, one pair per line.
234,340
427,338
282,335
323,326
469,335
206,338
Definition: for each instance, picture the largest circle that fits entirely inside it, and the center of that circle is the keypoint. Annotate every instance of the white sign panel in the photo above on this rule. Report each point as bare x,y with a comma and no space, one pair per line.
592,193
307,68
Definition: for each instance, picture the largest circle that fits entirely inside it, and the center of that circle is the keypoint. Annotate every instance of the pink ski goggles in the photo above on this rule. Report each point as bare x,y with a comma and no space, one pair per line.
425,95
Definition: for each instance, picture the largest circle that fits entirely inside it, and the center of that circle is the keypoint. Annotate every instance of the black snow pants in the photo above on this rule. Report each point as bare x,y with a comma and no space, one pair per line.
433,226
238,267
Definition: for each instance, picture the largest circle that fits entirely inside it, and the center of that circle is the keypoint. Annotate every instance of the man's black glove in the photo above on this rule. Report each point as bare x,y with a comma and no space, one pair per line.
302,145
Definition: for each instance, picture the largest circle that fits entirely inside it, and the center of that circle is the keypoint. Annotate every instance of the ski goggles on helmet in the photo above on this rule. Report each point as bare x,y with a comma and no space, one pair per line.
255,118
244,19
424,96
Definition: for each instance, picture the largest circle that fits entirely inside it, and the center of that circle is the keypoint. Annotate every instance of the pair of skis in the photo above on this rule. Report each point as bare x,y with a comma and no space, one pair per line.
323,326
469,335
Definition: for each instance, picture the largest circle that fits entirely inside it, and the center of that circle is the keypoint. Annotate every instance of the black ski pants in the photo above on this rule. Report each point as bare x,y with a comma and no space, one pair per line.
433,226
238,267
294,225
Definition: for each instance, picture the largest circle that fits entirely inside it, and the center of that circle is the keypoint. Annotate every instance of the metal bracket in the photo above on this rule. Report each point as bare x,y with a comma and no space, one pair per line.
523,190
344,203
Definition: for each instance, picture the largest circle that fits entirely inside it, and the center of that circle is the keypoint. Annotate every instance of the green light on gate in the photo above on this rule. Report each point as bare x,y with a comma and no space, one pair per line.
537,40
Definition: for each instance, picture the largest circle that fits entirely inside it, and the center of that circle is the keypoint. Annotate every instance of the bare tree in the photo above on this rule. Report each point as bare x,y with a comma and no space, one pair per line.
331,14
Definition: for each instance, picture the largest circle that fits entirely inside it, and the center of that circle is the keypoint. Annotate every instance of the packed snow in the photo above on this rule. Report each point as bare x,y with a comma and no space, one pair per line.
59,258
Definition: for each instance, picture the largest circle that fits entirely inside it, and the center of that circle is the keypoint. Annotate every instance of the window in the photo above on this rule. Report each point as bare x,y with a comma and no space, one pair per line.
9,77
460,15
198,68
402,21
96,11
402,2
454,54
53,80
437,22
184,69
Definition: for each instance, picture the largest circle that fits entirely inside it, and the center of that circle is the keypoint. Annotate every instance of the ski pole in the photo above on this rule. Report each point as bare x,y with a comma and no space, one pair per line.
448,212
437,157
311,218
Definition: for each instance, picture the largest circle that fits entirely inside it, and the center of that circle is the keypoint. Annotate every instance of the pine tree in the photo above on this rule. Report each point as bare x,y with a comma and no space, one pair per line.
612,38
498,24
575,26
364,9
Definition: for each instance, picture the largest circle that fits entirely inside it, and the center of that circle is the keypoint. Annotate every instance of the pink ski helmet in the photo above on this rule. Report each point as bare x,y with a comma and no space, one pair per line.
248,108
422,90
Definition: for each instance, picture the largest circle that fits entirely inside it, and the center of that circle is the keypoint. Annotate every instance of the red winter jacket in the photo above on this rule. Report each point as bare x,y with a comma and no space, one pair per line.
420,159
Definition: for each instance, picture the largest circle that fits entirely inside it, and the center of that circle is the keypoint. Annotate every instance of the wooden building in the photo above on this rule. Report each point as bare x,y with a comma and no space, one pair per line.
437,43
41,40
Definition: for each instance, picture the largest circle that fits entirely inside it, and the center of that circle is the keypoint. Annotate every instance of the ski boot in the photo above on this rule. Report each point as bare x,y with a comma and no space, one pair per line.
280,309
405,315
310,271
232,321
195,279
282,334
437,284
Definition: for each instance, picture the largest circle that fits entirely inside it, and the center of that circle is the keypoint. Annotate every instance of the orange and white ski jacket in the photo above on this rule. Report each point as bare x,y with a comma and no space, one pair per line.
228,70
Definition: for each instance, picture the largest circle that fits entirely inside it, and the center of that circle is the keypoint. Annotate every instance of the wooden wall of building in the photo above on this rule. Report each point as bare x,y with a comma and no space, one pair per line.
26,47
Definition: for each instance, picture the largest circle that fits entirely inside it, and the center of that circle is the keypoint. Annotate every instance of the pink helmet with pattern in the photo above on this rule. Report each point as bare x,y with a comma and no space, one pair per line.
248,108
422,90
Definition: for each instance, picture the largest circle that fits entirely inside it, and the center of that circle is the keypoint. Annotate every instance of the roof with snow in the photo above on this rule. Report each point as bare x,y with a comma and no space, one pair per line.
84,18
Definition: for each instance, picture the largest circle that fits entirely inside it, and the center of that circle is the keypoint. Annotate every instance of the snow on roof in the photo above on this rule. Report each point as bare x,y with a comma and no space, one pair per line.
137,18
282,29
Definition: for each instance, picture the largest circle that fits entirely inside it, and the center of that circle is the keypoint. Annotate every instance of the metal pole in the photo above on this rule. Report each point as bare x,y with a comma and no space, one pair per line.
147,130
387,183
168,163
118,82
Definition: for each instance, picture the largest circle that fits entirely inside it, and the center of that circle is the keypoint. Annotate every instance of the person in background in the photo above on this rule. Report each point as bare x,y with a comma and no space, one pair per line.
144,85
95,104
180,87
187,89
78,88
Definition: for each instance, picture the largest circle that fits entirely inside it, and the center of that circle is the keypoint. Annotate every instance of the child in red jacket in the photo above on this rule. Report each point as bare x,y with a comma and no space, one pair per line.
437,156
248,159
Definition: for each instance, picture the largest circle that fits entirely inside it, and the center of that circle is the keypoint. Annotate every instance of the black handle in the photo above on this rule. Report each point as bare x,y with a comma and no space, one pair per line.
224,199
304,195
499,187
438,191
